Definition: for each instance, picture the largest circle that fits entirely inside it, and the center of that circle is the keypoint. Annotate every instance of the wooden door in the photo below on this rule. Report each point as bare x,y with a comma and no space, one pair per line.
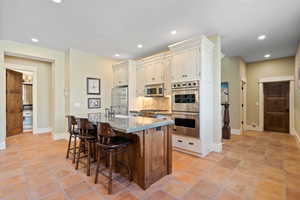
14,105
276,106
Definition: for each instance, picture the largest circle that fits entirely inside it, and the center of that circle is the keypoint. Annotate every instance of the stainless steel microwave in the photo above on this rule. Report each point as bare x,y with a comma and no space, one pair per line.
155,90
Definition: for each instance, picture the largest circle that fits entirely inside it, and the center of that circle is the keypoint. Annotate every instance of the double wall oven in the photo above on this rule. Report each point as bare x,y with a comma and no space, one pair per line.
185,108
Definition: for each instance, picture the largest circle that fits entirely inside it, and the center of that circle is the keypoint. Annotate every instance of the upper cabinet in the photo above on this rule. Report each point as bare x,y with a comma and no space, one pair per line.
153,70
185,65
140,81
120,74
189,57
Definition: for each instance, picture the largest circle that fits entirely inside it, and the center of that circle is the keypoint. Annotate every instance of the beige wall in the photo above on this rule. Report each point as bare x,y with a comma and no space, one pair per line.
297,92
43,87
231,73
263,69
81,65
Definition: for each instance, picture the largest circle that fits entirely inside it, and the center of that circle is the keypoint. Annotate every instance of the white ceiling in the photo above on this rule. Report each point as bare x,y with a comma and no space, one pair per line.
117,26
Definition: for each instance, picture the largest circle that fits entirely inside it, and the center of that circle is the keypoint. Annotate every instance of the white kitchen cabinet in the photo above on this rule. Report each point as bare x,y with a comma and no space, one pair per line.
153,70
185,65
140,81
120,74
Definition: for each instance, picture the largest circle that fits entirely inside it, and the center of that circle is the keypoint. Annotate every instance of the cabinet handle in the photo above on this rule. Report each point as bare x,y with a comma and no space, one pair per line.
179,140
191,143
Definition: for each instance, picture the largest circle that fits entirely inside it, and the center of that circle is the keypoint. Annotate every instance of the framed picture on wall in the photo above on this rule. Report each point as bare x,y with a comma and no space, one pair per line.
94,103
93,86
224,92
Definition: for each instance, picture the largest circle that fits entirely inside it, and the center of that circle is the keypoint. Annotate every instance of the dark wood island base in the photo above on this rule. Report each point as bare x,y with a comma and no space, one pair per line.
150,155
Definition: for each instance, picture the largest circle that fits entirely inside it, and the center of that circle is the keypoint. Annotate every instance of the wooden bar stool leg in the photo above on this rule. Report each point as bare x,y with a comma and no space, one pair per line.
88,173
128,167
69,144
97,167
110,172
78,154
74,148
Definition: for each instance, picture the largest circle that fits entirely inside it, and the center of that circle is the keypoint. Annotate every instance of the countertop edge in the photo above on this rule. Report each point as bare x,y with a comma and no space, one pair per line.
142,128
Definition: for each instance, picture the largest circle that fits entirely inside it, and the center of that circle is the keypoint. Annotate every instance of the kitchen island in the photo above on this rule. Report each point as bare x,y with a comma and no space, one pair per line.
150,154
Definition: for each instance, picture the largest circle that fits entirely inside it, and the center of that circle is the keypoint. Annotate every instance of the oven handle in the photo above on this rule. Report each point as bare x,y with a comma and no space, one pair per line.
185,89
185,113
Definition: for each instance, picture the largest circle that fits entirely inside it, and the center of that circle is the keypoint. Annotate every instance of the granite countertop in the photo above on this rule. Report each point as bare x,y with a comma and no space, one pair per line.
154,112
128,124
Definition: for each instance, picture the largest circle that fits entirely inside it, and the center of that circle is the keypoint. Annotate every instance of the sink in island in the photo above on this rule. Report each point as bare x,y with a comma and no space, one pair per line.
150,154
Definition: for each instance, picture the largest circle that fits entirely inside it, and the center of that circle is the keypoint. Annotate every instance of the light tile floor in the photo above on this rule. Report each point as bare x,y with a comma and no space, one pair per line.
256,165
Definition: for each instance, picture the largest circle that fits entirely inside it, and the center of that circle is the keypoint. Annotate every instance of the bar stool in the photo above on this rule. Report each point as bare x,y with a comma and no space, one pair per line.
87,137
110,145
74,132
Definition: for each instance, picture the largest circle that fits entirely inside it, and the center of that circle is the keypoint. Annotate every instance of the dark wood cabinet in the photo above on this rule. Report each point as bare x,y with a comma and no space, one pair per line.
150,155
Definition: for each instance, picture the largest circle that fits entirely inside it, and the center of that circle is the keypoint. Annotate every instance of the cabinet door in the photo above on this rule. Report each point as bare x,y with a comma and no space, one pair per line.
120,74
123,74
177,67
116,75
191,65
159,72
149,73
185,65
140,81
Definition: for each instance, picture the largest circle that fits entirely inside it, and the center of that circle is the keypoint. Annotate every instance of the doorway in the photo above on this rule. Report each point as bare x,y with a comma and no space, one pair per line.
276,107
27,91
14,103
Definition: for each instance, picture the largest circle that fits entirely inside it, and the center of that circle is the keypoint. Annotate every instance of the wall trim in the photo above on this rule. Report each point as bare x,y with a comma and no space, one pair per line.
42,130
216,147
3,145
236,131
292,96
60,136
276,79
251,128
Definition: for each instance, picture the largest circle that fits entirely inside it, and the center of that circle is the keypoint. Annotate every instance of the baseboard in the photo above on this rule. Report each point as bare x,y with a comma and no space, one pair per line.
251,128
216,147
2,145
60,136
42,130
297,136
187,151
236,131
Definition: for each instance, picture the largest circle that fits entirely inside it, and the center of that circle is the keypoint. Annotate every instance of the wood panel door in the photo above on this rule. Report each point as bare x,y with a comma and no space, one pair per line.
14,105
276,106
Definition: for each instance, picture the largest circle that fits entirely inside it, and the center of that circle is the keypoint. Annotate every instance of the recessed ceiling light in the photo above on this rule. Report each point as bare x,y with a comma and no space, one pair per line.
117,55
173,32
261,37
140,46
34,40
267,56
57,1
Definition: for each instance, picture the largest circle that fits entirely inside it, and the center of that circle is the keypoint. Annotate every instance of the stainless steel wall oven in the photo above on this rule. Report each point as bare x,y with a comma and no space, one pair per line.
185,108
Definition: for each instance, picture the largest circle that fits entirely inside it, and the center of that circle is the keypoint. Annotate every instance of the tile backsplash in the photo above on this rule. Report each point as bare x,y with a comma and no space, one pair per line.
153,103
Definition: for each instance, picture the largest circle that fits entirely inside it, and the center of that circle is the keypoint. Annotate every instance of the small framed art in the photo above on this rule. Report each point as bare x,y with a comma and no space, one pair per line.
94,103
93,86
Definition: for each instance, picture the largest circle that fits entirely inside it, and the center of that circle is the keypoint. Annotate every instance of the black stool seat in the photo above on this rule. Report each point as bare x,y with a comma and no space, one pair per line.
116,142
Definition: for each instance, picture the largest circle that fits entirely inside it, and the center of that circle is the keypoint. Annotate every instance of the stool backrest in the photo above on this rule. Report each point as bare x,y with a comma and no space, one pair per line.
105,132
72,123
84,126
